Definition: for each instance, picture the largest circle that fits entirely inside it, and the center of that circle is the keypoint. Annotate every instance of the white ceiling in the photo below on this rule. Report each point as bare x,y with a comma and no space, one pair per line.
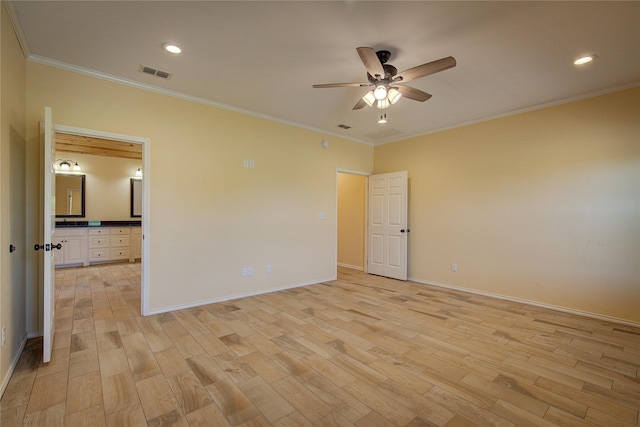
262,57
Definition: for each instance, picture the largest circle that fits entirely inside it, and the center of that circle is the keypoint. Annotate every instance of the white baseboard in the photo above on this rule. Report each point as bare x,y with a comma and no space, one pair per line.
14,363
353,267
529,302
238,296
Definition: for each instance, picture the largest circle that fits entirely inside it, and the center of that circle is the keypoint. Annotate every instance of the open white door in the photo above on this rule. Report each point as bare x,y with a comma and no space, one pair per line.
388,225
49,218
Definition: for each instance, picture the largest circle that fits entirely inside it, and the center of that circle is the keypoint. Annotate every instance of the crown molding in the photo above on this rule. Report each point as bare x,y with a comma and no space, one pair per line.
108,77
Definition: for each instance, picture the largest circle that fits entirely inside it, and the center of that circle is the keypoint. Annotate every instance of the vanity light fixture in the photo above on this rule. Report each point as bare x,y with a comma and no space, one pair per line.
139,173
65,165
171,48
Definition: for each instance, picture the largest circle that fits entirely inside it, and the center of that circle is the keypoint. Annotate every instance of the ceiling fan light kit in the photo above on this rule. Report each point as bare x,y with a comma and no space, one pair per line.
383,103
380,92
369,98
393,95
388,83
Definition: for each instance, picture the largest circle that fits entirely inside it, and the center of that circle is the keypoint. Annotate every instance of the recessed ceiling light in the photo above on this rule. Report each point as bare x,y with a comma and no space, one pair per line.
584,59
171,48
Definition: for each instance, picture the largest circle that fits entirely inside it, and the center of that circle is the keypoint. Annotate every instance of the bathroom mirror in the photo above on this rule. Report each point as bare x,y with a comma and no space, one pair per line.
136,198
69,195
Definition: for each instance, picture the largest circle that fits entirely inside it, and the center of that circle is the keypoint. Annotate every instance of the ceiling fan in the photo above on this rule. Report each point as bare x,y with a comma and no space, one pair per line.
388,84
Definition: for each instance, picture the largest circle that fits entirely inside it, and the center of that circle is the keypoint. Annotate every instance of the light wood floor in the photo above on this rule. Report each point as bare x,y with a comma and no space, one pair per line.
363,350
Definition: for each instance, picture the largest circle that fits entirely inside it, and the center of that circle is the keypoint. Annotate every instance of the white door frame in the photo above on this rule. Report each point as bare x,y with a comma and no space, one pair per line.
366,214
145,142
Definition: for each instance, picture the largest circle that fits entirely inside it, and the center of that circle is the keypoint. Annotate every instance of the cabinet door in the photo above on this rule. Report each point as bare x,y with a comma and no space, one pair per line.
73,249
58,256
136,245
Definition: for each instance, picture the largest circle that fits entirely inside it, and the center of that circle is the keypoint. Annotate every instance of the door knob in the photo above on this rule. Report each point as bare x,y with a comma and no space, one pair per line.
48,247
12,248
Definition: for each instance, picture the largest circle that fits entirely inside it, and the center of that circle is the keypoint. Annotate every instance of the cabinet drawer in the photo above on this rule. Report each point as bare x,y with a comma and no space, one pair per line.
98,241
98,254
118,231
120,241
136,231
62,233
98,231
120,253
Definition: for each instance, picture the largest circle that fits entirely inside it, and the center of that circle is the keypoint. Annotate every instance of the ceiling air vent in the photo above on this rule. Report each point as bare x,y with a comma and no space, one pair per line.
154,72
344,126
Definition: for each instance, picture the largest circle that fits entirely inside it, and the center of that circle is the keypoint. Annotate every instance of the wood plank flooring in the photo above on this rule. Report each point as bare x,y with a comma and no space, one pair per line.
360,351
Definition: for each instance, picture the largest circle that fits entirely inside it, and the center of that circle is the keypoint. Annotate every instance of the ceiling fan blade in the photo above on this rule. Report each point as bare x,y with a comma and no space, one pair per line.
415,94
359,105
371,61
328,85
426,69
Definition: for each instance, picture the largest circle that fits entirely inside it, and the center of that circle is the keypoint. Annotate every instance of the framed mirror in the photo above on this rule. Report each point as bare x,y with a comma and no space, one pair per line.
136,198
70,197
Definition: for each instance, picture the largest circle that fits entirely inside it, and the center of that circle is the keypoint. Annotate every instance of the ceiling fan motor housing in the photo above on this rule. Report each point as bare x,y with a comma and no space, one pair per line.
383,56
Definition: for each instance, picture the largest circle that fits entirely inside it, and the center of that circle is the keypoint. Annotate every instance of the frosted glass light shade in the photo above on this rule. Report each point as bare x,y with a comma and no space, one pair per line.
383,103
380,92
394,95
369,98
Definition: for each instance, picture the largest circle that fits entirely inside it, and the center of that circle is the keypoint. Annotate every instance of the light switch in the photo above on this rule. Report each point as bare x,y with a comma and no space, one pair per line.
322,215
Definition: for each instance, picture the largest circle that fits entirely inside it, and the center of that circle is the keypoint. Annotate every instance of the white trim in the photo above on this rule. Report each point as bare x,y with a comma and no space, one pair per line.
529,302
238,296
353,267
353,172
72,130
521,111
14,363
174,94
146,210
104,76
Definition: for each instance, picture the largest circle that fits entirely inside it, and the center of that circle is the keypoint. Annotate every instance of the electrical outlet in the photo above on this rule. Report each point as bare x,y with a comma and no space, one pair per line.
268,268
250,271
245,272
454,267
4,335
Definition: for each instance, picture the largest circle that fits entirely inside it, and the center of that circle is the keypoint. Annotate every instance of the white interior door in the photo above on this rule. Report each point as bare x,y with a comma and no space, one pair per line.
49,218
388,225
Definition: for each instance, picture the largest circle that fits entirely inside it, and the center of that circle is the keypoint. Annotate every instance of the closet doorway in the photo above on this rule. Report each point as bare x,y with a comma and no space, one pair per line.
352,219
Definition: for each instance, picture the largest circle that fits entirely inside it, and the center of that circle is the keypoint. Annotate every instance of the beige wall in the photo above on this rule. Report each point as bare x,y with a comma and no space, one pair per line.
12,199
210,216
542,206
107,186
351,219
